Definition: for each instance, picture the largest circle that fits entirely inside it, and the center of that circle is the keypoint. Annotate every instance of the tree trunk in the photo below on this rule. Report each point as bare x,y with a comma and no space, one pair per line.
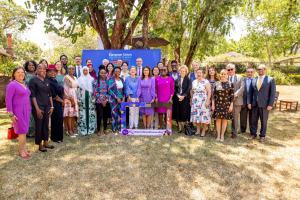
145,29
177,54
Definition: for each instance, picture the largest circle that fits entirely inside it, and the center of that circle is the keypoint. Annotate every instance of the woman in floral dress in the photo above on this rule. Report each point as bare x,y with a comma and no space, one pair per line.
86,102
70,100
200,102
30,68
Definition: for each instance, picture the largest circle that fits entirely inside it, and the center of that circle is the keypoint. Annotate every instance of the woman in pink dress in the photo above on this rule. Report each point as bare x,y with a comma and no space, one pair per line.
164,88
70,100
18,107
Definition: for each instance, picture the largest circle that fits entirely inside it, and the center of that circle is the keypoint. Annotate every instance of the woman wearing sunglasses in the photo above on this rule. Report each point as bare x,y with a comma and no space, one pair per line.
164,88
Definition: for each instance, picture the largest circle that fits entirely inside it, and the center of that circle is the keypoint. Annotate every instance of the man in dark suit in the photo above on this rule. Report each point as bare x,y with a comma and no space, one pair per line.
238,84
245,110
260,99
78,67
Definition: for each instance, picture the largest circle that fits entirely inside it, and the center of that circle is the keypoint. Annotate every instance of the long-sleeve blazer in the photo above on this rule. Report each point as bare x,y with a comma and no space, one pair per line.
245,95
186,87
239,86
265,96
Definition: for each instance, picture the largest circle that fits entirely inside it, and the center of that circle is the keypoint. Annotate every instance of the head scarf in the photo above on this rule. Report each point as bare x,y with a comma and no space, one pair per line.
93,72
85,81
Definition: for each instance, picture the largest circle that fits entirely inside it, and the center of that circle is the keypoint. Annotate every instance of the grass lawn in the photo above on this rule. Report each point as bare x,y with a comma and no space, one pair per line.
174,167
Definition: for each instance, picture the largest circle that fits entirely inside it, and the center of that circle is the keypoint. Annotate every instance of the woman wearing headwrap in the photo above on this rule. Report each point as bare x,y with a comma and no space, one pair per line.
86,102
92,71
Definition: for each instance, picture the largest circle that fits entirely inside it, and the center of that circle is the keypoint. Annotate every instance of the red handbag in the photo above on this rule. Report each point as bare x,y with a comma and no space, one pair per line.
11,133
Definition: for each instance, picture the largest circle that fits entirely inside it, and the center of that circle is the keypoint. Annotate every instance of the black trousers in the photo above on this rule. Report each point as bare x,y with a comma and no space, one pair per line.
57,124
101,114
41,125
243,118
263,115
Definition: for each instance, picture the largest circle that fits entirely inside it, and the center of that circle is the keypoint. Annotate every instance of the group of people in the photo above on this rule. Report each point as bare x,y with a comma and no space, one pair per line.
67,94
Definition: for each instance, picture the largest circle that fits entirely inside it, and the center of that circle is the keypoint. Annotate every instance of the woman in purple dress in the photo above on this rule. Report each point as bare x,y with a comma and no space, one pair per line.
164,88
18,107
146,93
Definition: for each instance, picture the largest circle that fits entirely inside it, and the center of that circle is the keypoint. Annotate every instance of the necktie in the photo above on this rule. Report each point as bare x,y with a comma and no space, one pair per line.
259,83
79,73
139,71
231,79
248,84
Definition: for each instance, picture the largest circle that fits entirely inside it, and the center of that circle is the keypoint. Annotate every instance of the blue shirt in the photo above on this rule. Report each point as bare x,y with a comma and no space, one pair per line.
131,87
192,77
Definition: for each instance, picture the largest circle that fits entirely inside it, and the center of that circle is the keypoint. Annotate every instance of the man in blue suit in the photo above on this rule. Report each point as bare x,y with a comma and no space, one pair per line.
260,99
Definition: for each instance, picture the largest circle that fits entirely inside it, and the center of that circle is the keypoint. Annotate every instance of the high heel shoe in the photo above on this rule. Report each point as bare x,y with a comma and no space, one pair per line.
72,136
28,154
25,157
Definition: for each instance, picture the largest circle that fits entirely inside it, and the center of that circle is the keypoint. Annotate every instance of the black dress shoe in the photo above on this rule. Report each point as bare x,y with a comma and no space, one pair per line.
51,147
241,132
179,131
44,150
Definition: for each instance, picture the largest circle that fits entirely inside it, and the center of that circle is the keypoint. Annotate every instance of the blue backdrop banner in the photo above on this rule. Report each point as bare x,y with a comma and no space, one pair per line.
150,57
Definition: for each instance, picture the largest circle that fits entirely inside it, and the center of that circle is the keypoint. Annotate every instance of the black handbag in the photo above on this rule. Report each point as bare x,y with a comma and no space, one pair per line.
193,128
188,130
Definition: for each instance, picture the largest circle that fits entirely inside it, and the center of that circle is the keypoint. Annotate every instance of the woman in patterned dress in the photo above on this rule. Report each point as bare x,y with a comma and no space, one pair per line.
222,103
100,92
30,68
200,102
86,103
70,100
116,88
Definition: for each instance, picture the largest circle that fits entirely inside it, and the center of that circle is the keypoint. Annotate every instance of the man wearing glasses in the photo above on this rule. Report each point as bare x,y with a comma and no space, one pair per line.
239,87
260,99
139,67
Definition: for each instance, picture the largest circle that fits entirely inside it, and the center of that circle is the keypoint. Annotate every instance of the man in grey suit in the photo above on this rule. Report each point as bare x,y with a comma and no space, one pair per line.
260,99
239,87
245,110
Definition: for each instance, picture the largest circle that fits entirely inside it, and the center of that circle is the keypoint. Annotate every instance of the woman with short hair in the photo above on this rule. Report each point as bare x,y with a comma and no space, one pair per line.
193,75
132,83
116,89
70,100
200,102
183,87
57,91
18,107
30,68
86,102
42,109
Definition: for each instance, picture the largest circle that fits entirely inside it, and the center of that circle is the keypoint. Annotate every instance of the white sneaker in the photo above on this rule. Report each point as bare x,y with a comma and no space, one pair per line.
116,133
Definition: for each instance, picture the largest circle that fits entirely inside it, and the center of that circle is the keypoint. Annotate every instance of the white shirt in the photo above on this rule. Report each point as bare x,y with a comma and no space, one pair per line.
78,68
124,75
119,84
139,71
261,80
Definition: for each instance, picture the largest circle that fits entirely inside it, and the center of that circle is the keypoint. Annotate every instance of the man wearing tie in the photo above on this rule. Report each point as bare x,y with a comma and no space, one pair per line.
239,87
245,109
78,67
260,99
139,69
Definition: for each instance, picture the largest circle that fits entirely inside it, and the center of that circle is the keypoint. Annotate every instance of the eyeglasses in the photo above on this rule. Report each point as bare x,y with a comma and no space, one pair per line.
163,70
259,69
229,70
174,65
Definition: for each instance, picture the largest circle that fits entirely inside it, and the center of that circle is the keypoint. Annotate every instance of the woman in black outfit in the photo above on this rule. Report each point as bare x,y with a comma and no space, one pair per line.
183,87
57,92
42,107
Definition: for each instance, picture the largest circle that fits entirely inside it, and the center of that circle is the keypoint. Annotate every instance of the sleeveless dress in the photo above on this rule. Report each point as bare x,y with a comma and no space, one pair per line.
200,113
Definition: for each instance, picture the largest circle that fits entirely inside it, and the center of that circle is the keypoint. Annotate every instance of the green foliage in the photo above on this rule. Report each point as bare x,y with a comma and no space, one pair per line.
13,16
289,69
7,65
296,78
26,50
280,78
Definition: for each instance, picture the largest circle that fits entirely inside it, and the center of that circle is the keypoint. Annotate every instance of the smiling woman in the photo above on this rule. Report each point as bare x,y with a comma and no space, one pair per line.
18,107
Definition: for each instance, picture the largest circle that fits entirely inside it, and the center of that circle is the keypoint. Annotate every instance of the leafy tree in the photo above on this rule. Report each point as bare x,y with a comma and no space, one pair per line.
13,17
112,20
26,50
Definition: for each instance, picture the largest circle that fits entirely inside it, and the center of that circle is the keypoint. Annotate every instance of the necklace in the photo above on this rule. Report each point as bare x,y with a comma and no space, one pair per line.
20,82
133,80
